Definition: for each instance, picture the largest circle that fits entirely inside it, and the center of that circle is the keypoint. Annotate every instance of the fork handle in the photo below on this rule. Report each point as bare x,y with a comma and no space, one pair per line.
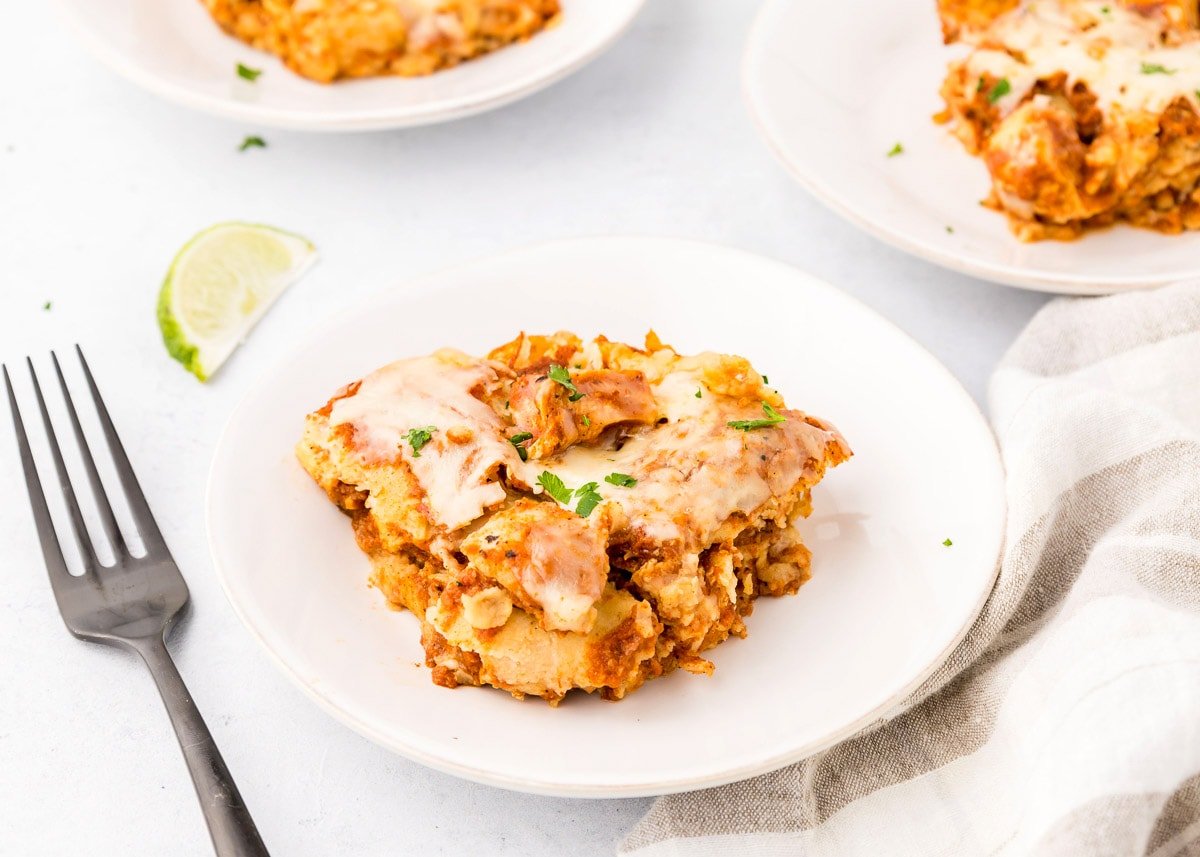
229,823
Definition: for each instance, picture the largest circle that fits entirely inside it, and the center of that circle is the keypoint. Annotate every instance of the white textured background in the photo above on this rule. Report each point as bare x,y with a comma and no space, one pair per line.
100,184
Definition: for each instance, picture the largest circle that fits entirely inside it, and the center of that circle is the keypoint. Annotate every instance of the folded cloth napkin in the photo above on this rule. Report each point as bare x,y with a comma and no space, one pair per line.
1068,722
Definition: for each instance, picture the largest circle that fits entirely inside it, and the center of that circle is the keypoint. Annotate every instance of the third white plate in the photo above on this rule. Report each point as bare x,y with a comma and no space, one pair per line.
833,86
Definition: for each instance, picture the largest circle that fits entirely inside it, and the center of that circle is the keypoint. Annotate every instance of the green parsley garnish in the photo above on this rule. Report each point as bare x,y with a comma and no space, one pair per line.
949,230
247,73
418,437
559,375
773,418
589,498
586,420
1155,68
518,441
897,149
981,84
697,392
765,381
251,143
1105,10
999,89
555,487
947,543
46,306
621,479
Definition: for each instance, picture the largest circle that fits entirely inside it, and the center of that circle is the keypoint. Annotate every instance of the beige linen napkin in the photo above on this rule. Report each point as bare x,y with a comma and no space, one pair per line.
1068,722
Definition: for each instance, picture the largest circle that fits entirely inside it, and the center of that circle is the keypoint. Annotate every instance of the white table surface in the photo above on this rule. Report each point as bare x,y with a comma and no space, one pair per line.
100,184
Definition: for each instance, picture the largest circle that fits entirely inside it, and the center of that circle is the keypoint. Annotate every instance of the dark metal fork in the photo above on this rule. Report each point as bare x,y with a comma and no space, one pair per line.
131,603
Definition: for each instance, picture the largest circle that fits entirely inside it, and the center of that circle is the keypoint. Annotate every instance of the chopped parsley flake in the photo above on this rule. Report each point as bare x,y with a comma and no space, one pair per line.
586,420
587,504
897,149
1105,10
773,418
555,487
949,230
418,437
252,143
765,380
947,543
1155,68
620,479
999,89
559,375
46,306
518,440
245,72
697,392
589,499
981,84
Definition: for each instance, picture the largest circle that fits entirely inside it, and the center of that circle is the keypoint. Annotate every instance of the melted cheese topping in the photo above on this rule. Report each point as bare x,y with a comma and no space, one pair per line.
676,395
1111,48
694,471
566,574
459,478
427,25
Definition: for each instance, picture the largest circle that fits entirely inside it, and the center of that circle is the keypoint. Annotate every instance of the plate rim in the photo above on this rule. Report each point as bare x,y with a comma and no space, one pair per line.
671,785
375,119
1031,279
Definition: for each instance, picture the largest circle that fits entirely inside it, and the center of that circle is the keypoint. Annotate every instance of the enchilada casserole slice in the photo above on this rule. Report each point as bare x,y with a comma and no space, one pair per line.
1086,112
567,514
325,40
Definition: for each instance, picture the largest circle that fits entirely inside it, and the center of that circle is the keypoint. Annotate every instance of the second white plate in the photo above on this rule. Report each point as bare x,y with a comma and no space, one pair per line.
886,603
833,86
173,48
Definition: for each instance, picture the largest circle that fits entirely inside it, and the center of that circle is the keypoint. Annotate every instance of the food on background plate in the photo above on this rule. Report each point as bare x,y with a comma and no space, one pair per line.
325,40
572,514
1086,112
220,284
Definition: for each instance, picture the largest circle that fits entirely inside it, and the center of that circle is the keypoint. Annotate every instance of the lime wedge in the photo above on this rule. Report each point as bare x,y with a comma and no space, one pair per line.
219,286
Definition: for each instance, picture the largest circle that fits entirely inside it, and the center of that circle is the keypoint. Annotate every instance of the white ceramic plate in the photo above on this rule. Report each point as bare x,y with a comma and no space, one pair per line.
833,86
174,49
886,603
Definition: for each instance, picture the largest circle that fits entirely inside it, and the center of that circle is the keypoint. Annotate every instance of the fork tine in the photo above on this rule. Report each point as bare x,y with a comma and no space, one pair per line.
86,551
107,518
56,564
142,516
